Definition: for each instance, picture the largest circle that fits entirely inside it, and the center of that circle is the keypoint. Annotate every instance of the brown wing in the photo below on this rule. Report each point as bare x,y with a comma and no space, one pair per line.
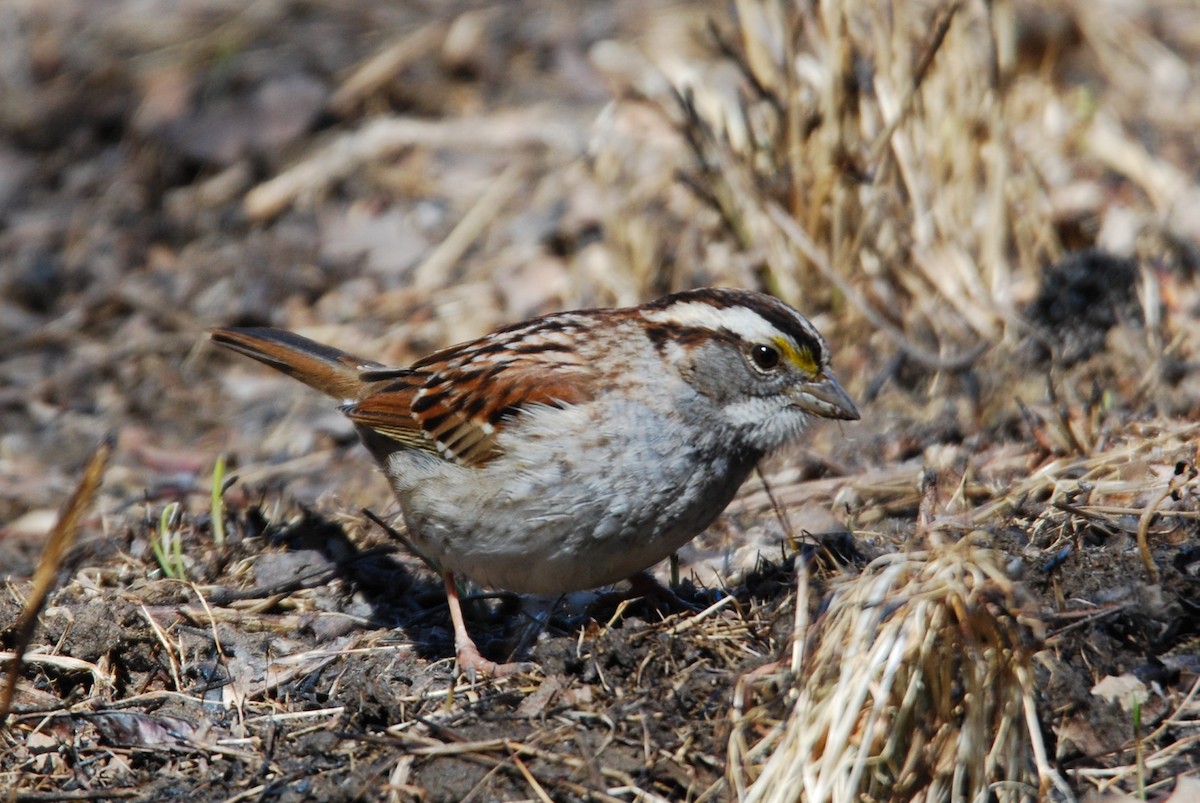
388,412
463,411
457,402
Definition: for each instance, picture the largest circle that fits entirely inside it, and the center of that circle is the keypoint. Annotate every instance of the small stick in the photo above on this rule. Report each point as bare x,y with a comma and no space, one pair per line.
60,542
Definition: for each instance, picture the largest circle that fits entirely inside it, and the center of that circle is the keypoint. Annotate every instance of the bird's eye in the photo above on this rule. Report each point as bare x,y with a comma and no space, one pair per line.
765,358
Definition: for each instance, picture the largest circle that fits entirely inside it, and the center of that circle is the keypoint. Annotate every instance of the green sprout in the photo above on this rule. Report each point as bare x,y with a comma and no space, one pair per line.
218,502
168,546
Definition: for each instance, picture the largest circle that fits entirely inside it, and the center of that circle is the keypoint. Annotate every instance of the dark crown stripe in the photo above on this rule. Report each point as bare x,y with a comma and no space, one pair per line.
772,310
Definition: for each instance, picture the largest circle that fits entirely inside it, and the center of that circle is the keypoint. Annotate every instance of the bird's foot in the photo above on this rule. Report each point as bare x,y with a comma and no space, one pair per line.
470,662
475,666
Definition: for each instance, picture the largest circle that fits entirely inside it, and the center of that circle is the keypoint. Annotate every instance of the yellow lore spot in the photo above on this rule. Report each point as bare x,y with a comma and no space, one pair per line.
802,358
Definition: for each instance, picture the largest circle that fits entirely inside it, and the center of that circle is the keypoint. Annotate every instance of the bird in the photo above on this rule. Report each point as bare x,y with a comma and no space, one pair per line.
577,449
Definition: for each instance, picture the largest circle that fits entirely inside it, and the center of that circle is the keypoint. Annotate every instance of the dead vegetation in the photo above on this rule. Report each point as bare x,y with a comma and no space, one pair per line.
918,685
990,209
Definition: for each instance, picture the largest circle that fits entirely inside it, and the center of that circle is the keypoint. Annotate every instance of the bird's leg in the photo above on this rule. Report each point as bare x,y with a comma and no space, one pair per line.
644,584
470,662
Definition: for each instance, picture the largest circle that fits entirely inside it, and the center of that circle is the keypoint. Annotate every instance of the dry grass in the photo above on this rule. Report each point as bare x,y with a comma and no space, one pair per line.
915,683
915,166
892,147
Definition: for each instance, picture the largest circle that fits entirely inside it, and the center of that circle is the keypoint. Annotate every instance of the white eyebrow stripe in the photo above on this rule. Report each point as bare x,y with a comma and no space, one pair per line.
742,321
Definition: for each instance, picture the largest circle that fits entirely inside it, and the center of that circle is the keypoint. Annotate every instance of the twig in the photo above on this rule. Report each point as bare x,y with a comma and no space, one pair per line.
78,794
385,65
57,546
432,273
940,29
379,138
1143,533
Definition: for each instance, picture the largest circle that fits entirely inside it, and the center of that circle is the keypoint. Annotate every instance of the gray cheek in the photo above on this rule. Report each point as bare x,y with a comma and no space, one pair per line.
719,372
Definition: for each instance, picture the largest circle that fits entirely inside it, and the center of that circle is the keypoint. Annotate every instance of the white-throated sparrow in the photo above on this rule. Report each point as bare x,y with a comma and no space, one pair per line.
576,449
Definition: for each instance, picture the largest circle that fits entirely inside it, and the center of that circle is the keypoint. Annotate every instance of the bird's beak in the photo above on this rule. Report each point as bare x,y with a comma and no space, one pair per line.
825,398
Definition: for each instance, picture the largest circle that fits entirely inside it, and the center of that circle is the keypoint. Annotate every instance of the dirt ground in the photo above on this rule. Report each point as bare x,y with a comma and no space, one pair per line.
393,178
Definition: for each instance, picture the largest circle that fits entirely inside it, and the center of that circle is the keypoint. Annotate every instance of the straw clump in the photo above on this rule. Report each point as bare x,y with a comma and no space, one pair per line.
915,685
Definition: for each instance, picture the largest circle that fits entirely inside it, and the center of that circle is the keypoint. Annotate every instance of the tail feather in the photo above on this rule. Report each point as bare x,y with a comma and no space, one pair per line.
324,368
